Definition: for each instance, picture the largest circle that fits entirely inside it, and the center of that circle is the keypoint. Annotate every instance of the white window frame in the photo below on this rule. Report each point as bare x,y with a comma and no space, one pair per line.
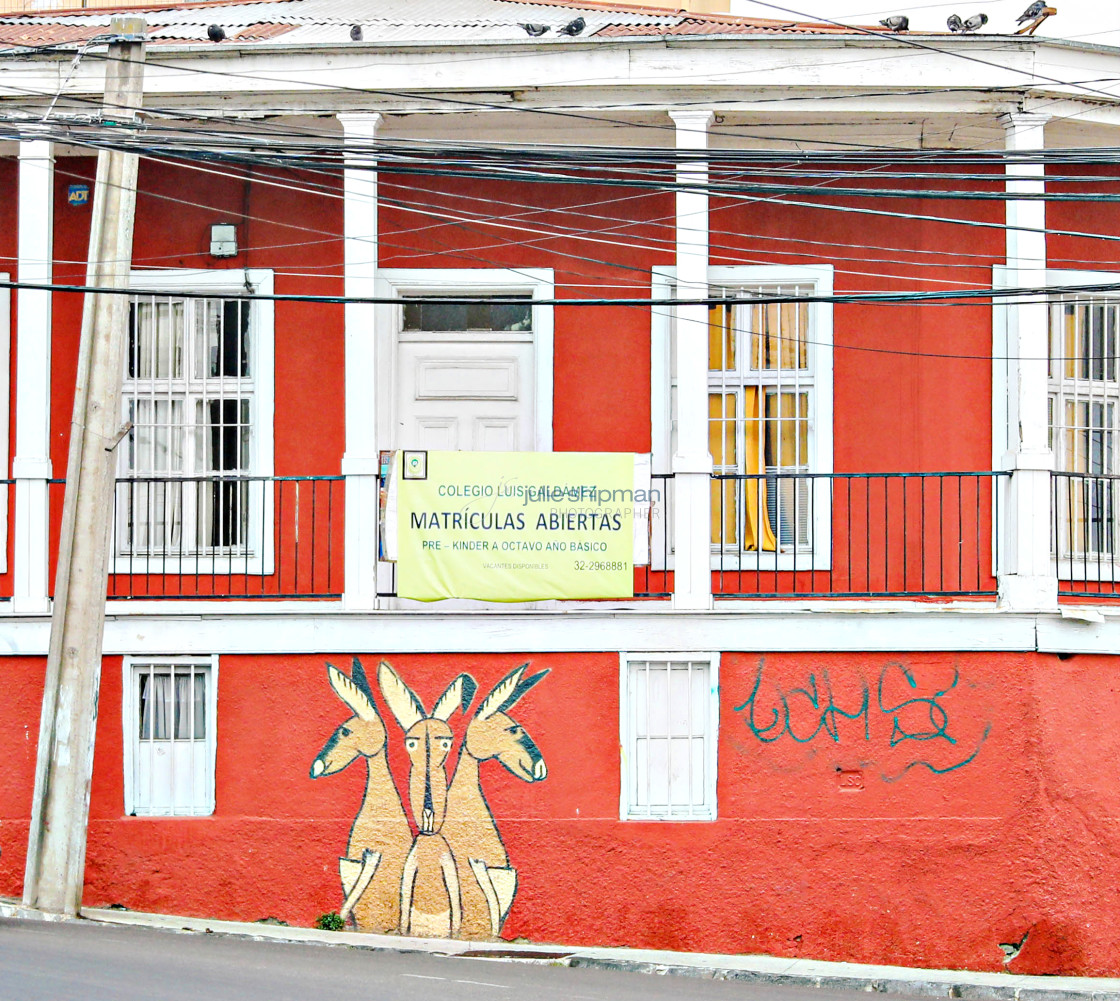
133,667
821,412
1069,567
5,412
215,283
628,810
402,283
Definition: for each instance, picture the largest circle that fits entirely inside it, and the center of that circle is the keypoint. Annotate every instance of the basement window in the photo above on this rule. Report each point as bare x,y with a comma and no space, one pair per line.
669,726
169,737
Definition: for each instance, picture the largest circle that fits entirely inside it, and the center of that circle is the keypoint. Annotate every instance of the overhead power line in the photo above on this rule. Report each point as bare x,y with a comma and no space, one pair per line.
756,298
890,39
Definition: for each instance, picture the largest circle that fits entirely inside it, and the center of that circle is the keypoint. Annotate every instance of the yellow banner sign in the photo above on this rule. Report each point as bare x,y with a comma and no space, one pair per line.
515,526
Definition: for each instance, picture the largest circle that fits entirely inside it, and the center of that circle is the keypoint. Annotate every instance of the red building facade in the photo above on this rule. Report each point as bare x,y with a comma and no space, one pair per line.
877,732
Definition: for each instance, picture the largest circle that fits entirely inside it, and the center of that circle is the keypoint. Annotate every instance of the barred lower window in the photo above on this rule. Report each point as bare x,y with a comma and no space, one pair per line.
669,724
189,392
760,404
1084,407
169,723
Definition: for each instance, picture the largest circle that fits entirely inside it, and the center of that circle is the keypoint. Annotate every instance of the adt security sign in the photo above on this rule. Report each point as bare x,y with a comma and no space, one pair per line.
78,194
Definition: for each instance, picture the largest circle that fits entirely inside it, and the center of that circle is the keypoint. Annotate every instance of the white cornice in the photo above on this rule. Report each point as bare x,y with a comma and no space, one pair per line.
141,630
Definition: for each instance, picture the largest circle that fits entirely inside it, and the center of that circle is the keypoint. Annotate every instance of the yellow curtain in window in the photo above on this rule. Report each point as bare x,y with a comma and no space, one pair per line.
757,533
722,443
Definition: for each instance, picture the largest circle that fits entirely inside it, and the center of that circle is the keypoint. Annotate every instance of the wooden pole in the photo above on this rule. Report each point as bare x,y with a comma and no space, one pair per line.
56,845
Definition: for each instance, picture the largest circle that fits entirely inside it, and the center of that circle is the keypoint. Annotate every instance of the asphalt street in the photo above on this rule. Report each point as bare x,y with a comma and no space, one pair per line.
85,961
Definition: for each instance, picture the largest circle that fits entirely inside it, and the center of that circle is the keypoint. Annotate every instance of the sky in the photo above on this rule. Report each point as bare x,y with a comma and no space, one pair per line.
1085,20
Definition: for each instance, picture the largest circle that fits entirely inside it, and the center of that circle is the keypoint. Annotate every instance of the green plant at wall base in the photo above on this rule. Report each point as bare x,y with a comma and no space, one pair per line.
330,922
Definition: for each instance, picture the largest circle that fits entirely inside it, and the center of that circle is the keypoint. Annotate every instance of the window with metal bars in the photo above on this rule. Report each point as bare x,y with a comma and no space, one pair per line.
1083,410
189,392
769,411
169,737
669,722
760,396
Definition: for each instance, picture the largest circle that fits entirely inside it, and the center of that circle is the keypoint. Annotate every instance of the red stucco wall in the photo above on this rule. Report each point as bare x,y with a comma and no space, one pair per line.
282,231
926,833
21,681
972,802
928,363
883,367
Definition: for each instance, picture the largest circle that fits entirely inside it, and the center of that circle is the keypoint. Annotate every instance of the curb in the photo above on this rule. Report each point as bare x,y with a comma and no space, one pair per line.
771,970
14,909
917,987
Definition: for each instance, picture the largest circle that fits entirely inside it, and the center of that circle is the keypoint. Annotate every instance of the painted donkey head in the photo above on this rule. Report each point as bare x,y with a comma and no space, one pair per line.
427,739
493,734
362,734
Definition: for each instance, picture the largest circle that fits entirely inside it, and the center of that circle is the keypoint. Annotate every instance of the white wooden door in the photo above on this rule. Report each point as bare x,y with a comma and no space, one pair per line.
465,392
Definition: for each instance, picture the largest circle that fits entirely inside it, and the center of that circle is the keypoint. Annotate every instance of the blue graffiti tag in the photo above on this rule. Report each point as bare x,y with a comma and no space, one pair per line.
917,717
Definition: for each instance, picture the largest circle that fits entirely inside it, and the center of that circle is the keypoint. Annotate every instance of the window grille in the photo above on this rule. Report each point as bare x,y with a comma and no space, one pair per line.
760,389
669,723
189,393
170,734
1083,407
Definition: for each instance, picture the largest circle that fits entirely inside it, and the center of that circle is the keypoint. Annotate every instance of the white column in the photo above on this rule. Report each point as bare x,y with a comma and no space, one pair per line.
692,462
360,461
1027,581
31,464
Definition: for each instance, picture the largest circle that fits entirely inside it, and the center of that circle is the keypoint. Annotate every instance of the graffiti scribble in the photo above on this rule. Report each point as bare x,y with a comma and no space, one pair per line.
913,710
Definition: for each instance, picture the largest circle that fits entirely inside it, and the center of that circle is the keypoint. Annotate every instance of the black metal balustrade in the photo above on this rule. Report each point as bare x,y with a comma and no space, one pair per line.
1084,534
856,535
787,535
222,536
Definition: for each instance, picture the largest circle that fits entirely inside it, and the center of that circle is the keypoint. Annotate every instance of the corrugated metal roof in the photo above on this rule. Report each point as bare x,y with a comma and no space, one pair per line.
693,26
328,21
45,34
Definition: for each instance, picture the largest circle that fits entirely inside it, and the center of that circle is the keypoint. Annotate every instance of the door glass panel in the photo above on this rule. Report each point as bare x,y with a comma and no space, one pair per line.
436,316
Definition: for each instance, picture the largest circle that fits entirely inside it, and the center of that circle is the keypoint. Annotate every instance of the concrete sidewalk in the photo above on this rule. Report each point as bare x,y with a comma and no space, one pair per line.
898,980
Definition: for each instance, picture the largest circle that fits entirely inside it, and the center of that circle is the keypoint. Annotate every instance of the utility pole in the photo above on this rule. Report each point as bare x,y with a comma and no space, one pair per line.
56,845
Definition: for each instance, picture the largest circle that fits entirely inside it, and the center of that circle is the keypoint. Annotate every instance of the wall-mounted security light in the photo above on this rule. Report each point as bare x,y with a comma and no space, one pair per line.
223,240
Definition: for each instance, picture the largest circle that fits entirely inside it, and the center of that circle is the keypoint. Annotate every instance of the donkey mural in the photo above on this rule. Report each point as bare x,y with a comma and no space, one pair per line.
487,881
453,878
380,837
431,902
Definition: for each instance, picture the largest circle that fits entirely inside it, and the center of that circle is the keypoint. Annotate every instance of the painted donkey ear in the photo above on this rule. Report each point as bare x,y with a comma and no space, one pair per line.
457,696
523,686
500,693
361,705
405,706
470,686
358,673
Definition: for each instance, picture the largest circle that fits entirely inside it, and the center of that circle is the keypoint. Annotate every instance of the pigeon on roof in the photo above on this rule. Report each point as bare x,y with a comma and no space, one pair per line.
215,32
535,30
954,23
355,32
573,28
1036,13
974,23
897,23
1031,12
